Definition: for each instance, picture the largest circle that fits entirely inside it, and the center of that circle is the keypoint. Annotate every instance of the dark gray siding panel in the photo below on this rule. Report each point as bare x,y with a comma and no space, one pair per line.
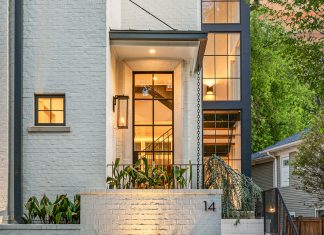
296,200
262,175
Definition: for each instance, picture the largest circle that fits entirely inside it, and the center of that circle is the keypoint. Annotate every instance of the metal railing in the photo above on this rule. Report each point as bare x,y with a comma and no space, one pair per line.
277,219
123,174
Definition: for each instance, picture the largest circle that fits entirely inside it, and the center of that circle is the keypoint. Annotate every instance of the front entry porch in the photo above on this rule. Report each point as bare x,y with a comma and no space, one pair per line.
158,72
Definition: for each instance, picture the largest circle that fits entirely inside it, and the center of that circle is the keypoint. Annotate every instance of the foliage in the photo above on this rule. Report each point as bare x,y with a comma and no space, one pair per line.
240,193
61,211
301,17
281,103
309,162
142,175
303,23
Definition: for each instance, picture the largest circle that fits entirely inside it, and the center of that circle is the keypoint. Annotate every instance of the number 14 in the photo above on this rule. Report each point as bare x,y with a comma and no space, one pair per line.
211,207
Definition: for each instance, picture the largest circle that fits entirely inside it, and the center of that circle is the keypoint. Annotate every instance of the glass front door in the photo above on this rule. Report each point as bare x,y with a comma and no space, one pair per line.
153,117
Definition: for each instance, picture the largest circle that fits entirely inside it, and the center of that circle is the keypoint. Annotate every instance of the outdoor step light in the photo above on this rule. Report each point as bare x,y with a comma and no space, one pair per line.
122,110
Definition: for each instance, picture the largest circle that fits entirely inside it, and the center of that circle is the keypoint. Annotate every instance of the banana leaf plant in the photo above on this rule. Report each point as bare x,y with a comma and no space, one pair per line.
62,210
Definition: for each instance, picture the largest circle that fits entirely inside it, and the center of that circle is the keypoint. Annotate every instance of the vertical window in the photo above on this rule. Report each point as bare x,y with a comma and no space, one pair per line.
222,67
49,110
222,136
220,11
284,173
153,117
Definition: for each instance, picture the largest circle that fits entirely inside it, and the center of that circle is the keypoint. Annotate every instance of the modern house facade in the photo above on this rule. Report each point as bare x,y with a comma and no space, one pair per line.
85,82
271,169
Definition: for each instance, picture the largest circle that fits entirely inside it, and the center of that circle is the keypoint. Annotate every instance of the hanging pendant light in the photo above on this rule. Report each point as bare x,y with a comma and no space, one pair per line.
145,91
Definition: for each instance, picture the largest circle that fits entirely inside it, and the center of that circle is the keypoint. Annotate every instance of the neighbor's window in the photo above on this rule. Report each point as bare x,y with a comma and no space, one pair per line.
220,11
50,110
222,136
222,67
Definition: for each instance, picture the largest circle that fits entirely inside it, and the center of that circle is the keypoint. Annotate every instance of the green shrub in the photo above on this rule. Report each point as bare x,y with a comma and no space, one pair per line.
61,211
142,175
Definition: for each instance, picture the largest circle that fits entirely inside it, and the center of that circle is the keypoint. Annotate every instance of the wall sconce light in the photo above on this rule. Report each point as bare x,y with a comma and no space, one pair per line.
122,110
209,90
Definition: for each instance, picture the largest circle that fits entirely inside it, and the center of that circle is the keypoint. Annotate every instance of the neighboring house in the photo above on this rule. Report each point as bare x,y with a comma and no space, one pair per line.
85,82
271,169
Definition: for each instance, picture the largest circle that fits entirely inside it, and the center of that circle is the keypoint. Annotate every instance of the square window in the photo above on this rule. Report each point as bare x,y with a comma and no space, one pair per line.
220,11
49,110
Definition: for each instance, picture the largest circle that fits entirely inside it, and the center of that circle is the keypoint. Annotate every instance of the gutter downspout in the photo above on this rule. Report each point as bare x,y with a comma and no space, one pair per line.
18,85
275,170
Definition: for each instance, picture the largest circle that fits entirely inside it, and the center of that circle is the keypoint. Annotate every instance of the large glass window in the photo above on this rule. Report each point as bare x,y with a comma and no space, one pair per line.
153,117
49,110
220,11
222,67
222,136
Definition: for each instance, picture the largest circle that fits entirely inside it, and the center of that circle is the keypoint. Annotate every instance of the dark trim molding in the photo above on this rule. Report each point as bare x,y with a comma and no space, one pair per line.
18,85
244,105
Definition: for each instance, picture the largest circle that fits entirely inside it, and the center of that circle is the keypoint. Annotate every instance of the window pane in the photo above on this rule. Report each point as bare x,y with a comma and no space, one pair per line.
44,117
163,112
163,86
208,67
221,89
221,66
233,44
57,117
163,158
234,67
143,112
44,103
57,104
233,12
234,89
210,45
143,86
143,138
208,12
220,12
221,44
163,138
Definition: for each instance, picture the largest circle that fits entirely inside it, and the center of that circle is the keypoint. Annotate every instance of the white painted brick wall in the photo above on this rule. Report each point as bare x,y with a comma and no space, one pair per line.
4,105
244,227
179,14
150,212
40,229
65,52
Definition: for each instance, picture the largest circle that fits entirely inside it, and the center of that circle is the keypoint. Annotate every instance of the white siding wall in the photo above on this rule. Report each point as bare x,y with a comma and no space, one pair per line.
65,52
4,105
179,14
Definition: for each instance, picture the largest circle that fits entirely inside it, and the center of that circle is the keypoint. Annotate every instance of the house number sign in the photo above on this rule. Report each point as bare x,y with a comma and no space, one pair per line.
211,207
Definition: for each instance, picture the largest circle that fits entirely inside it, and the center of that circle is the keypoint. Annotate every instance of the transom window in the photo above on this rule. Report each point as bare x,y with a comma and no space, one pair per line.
220,11
49,110
222,67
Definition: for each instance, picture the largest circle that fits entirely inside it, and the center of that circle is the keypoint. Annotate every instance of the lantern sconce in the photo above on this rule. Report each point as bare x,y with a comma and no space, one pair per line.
210,90
122,110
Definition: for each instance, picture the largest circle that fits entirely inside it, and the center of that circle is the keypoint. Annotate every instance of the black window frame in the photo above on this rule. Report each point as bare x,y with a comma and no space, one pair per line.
214,23
227,79
37,96
153,114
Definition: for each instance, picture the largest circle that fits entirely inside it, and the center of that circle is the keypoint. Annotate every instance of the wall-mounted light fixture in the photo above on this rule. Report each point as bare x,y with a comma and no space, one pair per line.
122,110
209,90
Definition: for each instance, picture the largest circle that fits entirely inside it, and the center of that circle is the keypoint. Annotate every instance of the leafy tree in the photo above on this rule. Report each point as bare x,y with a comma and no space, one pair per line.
281,103
303,22
309,162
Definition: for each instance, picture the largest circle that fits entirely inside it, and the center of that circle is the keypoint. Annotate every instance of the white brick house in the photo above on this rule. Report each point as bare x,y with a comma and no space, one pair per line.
63,62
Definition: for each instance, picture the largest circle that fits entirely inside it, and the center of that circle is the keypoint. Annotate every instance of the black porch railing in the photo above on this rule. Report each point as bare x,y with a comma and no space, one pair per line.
125,181
277,219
